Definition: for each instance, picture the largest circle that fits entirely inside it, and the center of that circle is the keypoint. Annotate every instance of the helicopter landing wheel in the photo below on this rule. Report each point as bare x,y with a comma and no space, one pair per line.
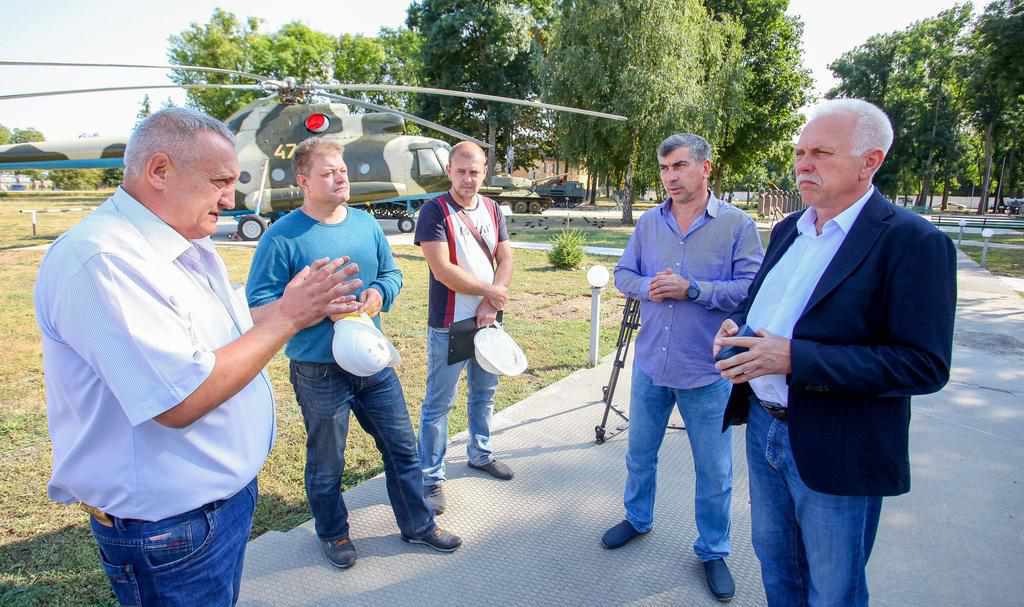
251,227
406,224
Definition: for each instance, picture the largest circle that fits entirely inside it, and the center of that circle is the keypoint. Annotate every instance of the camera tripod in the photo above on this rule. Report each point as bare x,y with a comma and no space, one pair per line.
630,322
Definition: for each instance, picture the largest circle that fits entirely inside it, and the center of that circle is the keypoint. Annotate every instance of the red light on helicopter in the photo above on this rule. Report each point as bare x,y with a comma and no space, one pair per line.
317,123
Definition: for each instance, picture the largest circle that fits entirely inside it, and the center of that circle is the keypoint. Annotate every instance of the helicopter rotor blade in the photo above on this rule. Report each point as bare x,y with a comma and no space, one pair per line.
395,88
407,116
189,68
236,87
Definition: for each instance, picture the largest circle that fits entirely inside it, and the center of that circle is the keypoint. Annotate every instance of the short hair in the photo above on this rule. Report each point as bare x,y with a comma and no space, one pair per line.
467,149
872,129
172,132
304,152
699,147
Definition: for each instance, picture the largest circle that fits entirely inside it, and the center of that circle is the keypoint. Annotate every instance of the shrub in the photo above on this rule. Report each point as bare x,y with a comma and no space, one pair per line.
567,249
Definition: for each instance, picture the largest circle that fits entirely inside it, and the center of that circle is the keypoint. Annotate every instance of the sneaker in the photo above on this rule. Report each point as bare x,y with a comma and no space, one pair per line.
438,539
436,500
620,535
340,552
496,469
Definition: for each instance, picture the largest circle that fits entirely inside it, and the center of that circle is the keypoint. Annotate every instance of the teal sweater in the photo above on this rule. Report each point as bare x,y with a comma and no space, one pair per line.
296,241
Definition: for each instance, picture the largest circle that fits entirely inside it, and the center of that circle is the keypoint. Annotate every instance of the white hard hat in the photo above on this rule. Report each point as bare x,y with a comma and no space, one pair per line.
360,348
496,352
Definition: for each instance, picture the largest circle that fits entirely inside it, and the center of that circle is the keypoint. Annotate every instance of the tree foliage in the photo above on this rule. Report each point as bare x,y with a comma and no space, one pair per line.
26,135
5,135
76,179
484,47
294,51
652,61
762,86
952,85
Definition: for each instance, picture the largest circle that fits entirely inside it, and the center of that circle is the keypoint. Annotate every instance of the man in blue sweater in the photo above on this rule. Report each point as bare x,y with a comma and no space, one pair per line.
325,227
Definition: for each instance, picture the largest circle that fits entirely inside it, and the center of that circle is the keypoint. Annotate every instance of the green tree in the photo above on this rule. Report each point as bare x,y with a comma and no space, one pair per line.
76,179
758,107
224,42
26,135
144,110
994,70
644,59
5,135
482,47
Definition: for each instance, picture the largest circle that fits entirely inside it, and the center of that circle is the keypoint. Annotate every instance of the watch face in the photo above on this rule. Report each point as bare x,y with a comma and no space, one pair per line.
692,292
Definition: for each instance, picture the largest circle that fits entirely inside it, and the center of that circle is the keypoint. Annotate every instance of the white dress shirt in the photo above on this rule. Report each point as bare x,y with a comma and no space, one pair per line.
787,288
131,313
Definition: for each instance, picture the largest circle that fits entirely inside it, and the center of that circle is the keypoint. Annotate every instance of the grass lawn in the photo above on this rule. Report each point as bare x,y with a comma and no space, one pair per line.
16,228
47,556
598,232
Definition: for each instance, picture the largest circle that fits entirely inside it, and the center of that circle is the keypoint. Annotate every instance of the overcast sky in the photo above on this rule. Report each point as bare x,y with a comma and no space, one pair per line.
115,31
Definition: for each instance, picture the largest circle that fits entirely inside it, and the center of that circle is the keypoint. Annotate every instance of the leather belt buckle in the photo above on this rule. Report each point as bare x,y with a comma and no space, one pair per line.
100,516
775,410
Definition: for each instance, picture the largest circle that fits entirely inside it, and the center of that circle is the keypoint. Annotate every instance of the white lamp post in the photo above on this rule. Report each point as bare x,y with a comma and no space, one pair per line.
963,224
986,234
597,276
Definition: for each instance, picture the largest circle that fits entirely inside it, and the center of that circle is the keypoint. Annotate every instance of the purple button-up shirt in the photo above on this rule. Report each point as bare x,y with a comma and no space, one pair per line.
720,253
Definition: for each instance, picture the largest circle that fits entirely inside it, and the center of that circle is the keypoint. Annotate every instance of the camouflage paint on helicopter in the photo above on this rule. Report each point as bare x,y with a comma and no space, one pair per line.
96,153
382,162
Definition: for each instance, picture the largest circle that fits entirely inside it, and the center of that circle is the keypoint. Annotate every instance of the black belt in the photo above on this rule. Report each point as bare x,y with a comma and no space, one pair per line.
774,409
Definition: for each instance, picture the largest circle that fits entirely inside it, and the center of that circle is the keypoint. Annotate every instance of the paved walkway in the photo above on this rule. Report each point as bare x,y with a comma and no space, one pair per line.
955,540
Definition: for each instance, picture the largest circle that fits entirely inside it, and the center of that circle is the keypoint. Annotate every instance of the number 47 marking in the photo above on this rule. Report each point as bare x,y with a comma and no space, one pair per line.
285,151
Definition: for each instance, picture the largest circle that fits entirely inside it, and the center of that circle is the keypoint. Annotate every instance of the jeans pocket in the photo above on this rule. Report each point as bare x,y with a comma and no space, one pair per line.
122,582
167,546
312,371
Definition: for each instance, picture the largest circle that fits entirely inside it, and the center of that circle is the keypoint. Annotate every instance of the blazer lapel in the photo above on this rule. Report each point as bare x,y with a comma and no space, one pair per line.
863,234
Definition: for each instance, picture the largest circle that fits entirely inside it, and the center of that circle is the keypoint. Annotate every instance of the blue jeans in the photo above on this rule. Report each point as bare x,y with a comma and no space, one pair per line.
194,558
326,394
442,380
813,547
702,409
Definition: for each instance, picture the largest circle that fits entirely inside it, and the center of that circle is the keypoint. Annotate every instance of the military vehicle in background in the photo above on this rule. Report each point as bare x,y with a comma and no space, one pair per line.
527,196
392,174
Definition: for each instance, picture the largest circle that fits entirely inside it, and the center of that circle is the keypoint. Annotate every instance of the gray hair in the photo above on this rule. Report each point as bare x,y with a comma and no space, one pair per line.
872,129
171,131
699,147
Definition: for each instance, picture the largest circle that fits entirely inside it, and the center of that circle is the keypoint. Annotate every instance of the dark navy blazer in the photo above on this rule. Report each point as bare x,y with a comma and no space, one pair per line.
877,329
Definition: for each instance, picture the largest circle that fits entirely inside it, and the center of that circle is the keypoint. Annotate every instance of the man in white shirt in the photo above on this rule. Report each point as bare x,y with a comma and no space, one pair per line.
159,411
853,314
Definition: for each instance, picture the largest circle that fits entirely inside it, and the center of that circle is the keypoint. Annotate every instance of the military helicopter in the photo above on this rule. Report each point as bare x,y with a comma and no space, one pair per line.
391,172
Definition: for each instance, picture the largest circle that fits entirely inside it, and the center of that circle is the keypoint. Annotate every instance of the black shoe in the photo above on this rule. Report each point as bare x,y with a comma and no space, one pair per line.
438,539
434,494
496,469
340,552
719,580
620,535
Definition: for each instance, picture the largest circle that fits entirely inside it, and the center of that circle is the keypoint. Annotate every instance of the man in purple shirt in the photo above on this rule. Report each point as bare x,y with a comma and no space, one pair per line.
690,263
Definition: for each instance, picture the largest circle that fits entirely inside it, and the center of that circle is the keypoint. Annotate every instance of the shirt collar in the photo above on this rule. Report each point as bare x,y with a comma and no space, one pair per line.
714,205
844,221
167,243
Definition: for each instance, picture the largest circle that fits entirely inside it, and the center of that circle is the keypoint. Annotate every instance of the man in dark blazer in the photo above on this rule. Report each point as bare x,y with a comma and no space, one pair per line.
853,313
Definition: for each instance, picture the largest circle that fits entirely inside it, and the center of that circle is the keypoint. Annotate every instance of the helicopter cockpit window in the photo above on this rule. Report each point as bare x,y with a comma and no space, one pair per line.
443,155
428,164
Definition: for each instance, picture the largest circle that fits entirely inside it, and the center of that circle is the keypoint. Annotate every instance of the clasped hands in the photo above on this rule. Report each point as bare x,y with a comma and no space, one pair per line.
494,299
766,354
667,285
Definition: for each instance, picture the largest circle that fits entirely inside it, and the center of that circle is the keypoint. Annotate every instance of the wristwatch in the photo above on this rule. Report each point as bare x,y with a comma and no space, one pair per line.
693,291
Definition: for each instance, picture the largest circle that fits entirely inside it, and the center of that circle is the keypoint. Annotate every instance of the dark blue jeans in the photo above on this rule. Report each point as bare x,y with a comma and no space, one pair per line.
813,547
326,393
193,558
